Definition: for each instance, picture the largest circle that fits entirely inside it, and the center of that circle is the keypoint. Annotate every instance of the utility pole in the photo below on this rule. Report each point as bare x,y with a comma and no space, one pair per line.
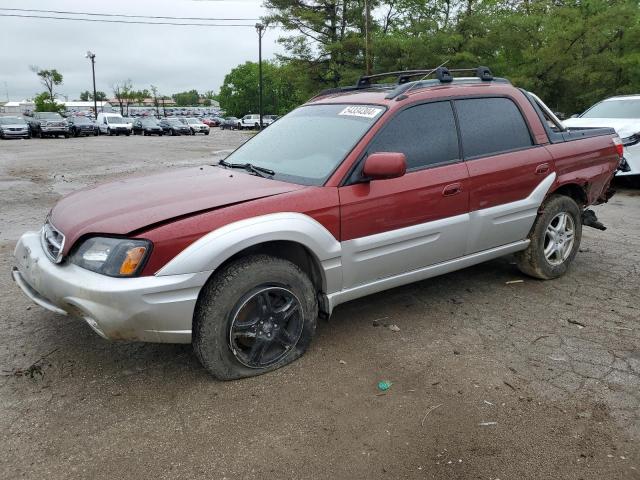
260,30
92,56
367,36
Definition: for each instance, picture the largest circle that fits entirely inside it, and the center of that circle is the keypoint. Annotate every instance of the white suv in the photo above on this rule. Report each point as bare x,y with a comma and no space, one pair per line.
253,121
623,115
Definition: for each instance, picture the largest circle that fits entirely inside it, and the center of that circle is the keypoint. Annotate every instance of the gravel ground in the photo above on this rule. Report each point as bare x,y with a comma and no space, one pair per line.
491,380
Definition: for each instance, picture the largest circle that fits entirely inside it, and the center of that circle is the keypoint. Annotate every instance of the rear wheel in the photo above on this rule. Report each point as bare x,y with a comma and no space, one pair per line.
555,239
256,315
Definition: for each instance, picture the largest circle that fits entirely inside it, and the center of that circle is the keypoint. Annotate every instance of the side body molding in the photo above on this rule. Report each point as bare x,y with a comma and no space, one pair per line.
506,223
210,251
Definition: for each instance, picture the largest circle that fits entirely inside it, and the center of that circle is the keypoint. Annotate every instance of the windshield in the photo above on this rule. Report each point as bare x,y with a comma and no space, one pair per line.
193,120
306,145
173,121
50,115
81,120
11,121
149,122
115,120
622,108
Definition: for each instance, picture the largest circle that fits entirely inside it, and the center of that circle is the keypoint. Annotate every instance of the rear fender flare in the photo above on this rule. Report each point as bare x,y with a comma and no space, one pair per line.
210,251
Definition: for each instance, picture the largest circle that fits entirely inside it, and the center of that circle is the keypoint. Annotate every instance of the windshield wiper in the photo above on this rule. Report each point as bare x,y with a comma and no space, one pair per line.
260,171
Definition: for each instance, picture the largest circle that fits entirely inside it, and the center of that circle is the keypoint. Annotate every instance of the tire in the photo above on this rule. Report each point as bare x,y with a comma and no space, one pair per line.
243,285
206,133
128,133
109,132
66,135
547,233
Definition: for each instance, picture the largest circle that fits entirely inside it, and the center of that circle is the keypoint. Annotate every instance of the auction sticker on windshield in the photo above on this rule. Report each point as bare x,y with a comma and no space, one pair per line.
360,111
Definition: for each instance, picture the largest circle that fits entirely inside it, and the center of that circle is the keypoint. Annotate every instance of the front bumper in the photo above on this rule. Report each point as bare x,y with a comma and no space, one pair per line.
57,130
15,133
148,309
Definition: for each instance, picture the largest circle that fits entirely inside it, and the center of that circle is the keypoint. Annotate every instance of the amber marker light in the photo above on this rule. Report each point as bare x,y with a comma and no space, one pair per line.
132,260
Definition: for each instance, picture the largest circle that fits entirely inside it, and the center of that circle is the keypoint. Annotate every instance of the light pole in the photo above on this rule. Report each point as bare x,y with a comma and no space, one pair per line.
92,56
260,30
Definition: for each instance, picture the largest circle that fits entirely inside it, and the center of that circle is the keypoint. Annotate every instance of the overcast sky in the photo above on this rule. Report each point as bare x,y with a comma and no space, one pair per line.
174,58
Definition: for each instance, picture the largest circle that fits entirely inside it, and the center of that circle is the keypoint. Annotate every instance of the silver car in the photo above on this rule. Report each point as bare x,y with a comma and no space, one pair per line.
14,127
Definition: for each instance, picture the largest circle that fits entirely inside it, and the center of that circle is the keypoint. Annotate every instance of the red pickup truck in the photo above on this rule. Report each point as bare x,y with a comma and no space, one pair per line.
362,189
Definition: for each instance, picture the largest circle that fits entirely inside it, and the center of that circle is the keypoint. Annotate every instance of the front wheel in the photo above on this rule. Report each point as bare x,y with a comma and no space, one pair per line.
555,239
256,315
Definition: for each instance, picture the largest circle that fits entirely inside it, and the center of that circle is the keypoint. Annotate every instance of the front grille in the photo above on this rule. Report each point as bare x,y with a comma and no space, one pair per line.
52,242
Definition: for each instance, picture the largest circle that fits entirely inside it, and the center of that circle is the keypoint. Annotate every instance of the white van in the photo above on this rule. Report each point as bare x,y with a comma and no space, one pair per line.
113,124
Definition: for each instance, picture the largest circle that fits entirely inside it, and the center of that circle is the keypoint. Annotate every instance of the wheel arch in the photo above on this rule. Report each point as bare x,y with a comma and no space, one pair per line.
292,236
573,190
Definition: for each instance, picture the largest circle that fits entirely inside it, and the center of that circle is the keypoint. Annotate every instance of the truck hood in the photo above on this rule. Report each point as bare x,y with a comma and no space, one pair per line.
131,204
624,127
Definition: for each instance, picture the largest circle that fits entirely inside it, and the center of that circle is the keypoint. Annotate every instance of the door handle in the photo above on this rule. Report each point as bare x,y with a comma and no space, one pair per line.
542,169
452,189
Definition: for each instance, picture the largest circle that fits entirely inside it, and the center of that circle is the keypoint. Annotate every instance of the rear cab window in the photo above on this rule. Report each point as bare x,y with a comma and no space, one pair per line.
489,126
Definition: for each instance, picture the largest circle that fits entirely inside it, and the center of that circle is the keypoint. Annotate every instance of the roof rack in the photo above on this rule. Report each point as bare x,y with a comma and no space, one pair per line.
442,73
404,83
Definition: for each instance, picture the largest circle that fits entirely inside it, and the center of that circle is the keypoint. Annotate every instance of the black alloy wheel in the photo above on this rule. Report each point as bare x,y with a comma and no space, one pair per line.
265,325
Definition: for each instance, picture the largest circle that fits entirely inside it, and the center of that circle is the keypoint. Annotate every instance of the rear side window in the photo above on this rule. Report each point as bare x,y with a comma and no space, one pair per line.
491,125
426,134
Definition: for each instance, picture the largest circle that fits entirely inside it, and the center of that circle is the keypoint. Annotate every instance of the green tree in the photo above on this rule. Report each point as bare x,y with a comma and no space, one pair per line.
123,93
49,79
571,52
187,99
44,104
239,92
88,96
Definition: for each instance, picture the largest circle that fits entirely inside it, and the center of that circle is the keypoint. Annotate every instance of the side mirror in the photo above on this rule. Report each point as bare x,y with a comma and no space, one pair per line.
383,165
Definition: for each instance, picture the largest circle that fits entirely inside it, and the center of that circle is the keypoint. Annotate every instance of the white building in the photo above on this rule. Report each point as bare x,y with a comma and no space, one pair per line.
17,107
85,106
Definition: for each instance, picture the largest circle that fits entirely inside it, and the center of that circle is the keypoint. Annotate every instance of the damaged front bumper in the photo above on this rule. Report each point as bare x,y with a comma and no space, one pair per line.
149,309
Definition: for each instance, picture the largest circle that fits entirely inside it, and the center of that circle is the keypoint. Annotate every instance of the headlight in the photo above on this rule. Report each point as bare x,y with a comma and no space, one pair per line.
632,140
115,257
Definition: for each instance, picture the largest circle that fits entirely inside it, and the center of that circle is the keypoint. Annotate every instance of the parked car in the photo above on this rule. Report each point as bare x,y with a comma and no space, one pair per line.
231,123
621,113
389,187
173,126
113,124
251,121
129,121
14,127
82,126
269,119
211,122
48,124
147,126
196,126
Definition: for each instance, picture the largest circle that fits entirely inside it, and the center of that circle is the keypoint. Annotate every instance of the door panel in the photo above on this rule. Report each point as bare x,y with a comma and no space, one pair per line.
505,193
393,226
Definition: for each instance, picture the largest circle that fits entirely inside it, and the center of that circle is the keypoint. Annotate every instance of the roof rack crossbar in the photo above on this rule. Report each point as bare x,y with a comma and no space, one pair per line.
442,74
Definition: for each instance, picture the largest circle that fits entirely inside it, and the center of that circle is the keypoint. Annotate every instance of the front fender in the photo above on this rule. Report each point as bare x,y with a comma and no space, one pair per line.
210,251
